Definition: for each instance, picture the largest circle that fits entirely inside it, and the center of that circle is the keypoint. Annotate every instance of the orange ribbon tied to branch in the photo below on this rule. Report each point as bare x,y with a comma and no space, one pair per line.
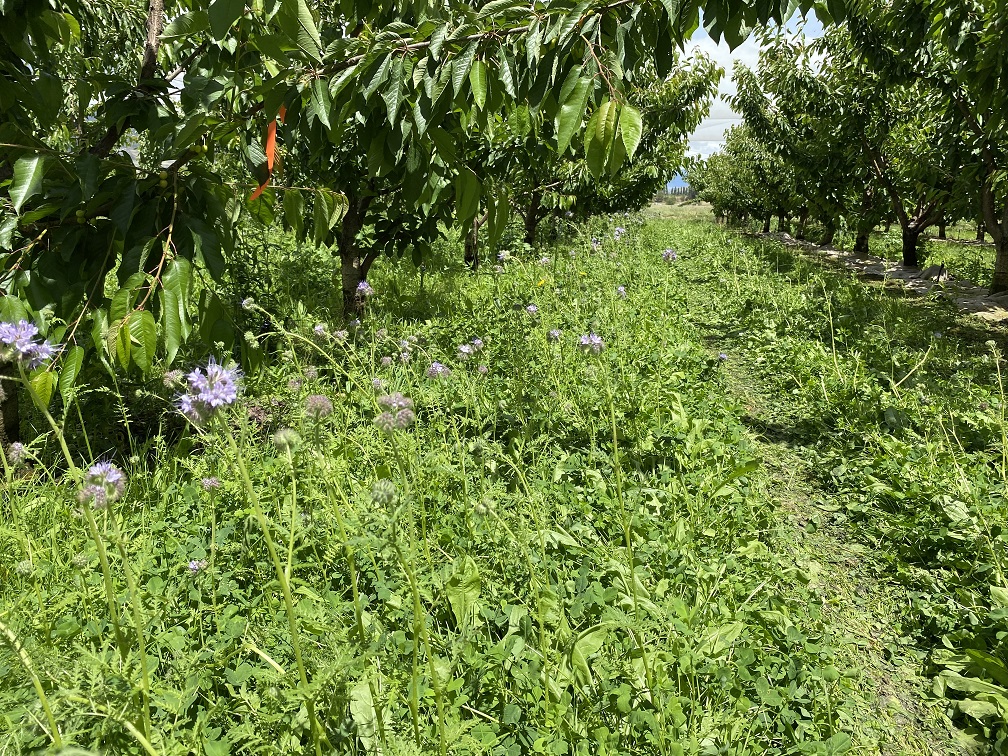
270,152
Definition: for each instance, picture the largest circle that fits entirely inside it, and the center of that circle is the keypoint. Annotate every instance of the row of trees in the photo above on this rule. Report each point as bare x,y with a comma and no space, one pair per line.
139,141
896,114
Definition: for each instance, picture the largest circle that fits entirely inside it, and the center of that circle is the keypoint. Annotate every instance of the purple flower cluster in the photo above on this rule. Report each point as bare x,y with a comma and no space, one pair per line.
621,292
618,233
398,414
16,454
210,484
364,290
18,343
209,391
591,343
722,357
466,351
554,334
320,330
596,243
437,370
532,309
196,566
544,260
670,255
103,483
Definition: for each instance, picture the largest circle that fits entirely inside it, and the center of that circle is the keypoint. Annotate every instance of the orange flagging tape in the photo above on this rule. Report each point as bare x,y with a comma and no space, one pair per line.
270,152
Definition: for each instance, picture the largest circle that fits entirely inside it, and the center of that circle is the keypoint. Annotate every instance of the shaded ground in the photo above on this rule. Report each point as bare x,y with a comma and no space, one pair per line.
858,602
968,296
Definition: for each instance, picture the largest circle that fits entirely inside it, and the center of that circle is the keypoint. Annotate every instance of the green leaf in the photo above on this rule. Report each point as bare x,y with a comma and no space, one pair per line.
143,334
631,127
223,14
171,323
293,205
122,345
186,25
595,144
71,367
467,195
571,113
362,711
463,65
42,382
586,645
28,173
463,590
478,82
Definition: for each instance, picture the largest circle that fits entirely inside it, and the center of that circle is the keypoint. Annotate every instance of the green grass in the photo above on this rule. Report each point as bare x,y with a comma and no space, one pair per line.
648,551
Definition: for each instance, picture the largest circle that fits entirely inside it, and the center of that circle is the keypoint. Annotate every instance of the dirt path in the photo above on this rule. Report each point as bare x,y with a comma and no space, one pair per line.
895,712
969,297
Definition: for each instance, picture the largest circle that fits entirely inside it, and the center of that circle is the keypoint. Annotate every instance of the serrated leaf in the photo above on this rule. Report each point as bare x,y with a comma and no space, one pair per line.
73,360
631,128
463,65
42,382
467,195
28,173
478,82
571,113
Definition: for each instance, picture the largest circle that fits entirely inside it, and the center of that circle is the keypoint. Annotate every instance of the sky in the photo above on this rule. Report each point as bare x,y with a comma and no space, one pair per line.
709,136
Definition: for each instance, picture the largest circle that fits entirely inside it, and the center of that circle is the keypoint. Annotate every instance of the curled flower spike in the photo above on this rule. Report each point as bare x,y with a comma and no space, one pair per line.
482,369
591,343
318,407
364,290
16,454
532,309
210,484
320,329
103,484
197,565
248,304
209,391
669,255
477,344
465,351
395,402
378,384
19,343
383,492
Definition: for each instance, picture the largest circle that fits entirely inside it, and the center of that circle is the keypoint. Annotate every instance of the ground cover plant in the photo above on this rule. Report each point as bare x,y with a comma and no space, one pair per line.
537,536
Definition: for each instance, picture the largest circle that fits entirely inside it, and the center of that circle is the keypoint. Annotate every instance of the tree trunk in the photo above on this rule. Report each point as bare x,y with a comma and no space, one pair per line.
533,214
766,225
941,229
981,233
861,243
782,223
353,268
802,220
888,226
827,240
472,247
911,243
1000,281
10,420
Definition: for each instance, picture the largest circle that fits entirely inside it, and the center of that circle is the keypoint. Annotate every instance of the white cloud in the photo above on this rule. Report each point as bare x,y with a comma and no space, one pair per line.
709,135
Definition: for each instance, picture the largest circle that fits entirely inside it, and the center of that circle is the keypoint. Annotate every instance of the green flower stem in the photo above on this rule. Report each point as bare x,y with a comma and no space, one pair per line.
281,577
138,620
420,629
107,577
25,660
632,578
36,399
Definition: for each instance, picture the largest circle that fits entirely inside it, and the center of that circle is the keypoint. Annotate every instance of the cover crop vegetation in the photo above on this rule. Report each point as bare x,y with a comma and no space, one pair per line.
633,487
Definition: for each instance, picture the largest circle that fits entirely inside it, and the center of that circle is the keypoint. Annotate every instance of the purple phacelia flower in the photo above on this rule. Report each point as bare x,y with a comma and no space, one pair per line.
591,343
103,483
320,329
19,343
722,357
364,290
437,370
544,260
210,484
340,336
670,255
621,291
395,402
477,344
209,391
554,334
378,384
482,370
386,361
465,351
197,565
532,309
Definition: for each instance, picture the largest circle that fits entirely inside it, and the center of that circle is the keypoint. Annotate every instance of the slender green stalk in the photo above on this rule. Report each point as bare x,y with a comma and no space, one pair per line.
138,620
281,577
25,660
107,578
44,409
